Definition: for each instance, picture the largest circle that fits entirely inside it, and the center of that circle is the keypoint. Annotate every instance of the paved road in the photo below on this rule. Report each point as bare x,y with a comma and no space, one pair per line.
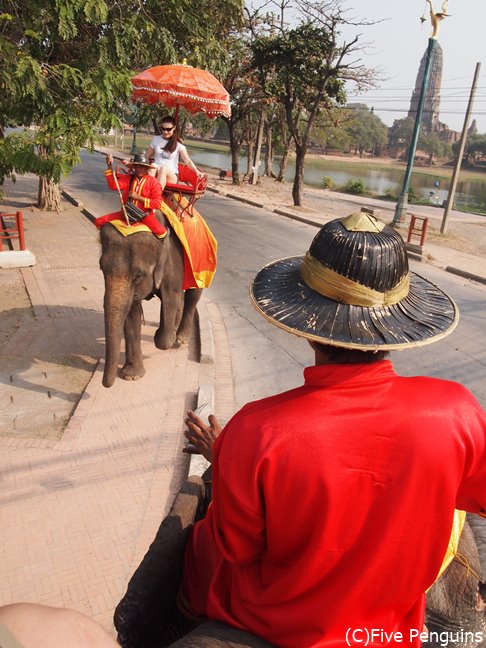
266,359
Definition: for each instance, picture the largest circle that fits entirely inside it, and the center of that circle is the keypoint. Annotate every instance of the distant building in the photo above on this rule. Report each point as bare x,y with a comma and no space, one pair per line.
430,117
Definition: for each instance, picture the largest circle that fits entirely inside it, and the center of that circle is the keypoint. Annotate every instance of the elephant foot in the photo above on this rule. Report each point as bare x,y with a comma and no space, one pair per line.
163,341
132,372
179,342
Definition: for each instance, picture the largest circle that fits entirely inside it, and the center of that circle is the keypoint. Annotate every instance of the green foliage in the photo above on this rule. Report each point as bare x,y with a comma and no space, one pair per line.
433,145
328,183
297,70
412,195
365,129
475,147
400,133
356,187
67,64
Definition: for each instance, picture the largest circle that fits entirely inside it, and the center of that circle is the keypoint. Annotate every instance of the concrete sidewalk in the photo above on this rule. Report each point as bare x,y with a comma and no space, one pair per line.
87,473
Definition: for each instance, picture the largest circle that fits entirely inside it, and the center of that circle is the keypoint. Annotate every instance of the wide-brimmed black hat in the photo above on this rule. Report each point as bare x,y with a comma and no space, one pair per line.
354,289
139,159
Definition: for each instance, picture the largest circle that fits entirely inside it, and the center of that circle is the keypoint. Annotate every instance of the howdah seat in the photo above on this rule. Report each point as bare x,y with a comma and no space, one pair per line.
190,186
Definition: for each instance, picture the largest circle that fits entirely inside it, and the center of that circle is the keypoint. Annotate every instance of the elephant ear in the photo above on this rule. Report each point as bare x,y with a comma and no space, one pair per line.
161,261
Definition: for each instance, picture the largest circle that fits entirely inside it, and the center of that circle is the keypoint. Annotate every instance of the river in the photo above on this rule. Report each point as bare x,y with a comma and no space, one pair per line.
470,194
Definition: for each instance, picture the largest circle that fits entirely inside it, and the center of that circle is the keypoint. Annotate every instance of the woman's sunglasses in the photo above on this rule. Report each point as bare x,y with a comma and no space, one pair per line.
167,130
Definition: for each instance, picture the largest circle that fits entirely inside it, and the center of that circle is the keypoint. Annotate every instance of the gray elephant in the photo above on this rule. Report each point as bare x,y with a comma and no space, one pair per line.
136,267
455,613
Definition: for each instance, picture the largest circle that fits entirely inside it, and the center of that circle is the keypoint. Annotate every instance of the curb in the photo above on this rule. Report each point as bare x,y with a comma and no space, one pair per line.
466,275
206,339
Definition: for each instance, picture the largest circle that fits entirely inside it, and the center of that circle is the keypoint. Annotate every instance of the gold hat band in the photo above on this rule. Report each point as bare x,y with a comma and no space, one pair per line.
333,285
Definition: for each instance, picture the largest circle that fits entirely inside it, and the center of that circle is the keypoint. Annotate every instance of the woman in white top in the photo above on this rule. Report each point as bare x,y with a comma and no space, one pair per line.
166,150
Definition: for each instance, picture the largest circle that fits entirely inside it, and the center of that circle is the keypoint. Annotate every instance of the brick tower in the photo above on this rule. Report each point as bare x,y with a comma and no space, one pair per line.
430,117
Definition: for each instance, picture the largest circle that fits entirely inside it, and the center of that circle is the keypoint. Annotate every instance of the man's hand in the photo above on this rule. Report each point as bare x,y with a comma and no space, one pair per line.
135,196
200,435
109,160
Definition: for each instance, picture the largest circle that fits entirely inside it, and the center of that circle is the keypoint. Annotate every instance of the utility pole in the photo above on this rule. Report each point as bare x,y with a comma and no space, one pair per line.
460,153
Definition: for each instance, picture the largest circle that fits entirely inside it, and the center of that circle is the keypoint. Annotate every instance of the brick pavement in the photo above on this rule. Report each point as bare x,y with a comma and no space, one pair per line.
86,481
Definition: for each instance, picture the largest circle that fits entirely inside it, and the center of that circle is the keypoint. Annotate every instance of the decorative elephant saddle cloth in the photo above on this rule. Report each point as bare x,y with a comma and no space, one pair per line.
125,229
199,245
457,526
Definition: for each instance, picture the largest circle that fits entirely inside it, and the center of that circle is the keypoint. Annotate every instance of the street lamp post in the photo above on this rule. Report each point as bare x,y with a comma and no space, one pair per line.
134,141
402,203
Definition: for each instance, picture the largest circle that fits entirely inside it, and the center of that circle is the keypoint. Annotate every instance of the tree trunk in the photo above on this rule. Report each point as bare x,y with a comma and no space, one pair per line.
249,158
300,151
255,169
284,161
269,172
235,152
49,196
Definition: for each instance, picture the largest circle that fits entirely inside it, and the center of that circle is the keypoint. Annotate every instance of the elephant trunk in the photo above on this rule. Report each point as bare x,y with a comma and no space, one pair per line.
117,302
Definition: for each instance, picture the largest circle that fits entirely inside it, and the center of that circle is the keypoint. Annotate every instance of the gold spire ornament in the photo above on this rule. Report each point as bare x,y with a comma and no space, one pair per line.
437,17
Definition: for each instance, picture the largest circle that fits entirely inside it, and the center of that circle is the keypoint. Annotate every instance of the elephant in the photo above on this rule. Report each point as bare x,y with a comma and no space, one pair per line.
135,268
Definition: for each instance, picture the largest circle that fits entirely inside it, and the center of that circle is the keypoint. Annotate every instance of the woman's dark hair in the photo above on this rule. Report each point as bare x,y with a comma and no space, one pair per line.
174,138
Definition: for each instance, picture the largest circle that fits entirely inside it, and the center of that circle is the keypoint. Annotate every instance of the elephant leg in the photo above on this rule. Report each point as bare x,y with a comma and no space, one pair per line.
191,299
170,313
133,368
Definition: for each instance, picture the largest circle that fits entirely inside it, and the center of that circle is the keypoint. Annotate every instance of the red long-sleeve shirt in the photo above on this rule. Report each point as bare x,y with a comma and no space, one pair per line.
150,190
333,504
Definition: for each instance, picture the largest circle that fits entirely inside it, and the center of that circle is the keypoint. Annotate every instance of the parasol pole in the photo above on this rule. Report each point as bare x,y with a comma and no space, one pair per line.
124,211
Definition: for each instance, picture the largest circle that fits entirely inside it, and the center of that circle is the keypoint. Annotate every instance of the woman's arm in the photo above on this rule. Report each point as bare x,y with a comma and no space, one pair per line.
187,160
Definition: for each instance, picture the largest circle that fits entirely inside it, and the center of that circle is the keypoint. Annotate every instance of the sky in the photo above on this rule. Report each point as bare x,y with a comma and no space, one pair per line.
396,45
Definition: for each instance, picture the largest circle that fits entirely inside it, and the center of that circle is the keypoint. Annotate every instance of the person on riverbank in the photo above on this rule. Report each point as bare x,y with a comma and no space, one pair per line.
166,149
333,502
138,187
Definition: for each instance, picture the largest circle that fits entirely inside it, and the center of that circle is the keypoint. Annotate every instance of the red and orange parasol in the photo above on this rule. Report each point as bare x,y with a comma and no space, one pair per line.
194,89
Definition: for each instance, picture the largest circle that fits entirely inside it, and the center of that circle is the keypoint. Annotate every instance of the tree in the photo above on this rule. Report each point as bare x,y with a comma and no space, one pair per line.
400,135
475,148
306,68
241,83
366,130
67,65
431,143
